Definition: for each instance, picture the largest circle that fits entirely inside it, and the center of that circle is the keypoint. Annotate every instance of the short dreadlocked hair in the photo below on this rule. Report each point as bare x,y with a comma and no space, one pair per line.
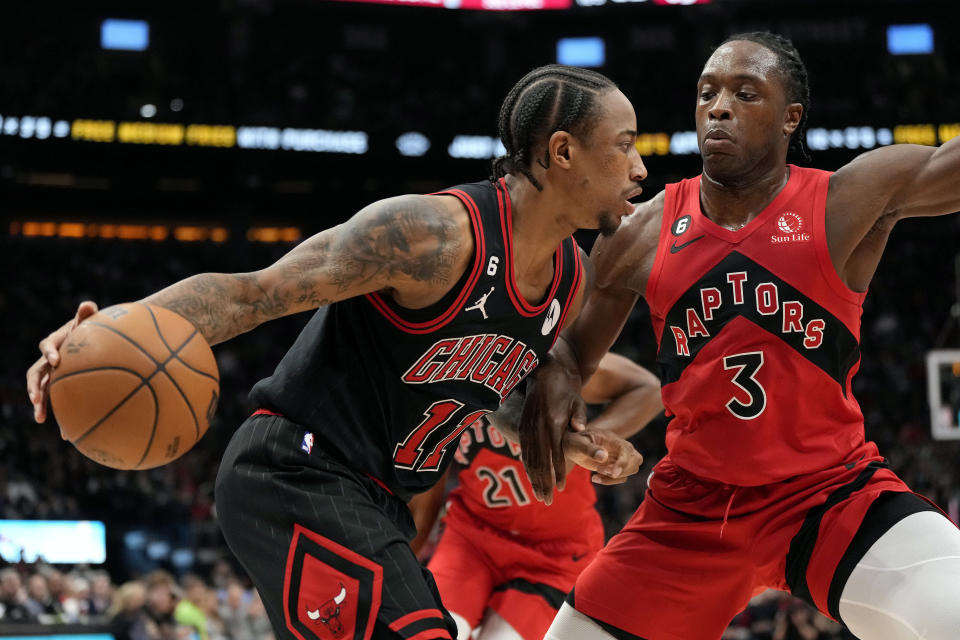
548,99
795,80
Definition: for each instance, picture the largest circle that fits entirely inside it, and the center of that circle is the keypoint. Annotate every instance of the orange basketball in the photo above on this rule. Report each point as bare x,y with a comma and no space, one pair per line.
136,386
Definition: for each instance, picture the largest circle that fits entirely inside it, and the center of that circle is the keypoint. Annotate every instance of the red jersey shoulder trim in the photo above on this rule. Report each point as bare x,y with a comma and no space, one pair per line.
523,307
821,188
479,257
670,209
574,289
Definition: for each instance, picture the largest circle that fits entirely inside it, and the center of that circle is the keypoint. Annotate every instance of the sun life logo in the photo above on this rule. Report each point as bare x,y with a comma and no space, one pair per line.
789,223
790,228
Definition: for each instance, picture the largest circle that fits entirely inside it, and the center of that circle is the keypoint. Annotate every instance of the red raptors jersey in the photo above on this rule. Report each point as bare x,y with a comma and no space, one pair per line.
758,338
494,491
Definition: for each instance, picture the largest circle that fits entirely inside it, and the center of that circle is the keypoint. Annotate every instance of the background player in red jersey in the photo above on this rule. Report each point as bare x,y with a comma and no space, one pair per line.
505,561
312,489
755,273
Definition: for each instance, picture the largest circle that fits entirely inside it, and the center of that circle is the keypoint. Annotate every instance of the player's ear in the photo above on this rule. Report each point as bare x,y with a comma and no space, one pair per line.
792,117
558,149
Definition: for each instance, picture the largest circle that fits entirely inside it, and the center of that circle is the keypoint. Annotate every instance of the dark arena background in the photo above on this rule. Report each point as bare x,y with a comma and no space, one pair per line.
144,142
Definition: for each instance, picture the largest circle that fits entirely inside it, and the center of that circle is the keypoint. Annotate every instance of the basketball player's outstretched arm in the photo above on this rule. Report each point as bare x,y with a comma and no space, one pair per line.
412,247
871,193
622,266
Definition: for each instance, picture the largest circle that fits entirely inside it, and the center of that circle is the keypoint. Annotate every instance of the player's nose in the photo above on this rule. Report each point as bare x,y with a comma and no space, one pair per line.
638,170
721,107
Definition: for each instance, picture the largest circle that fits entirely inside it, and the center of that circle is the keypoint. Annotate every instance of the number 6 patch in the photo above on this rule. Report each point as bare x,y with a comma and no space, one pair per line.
329,592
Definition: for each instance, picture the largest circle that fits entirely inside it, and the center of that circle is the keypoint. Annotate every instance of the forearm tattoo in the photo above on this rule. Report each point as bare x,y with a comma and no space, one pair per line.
221,305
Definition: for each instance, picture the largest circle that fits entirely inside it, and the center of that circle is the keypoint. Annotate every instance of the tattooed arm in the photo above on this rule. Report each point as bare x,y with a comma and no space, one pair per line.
414,248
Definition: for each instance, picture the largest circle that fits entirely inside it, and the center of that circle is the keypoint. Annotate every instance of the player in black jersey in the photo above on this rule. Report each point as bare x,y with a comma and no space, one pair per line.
436,308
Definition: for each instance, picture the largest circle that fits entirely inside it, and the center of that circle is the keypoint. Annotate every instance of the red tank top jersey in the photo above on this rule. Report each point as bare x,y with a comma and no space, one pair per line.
758,338
494,492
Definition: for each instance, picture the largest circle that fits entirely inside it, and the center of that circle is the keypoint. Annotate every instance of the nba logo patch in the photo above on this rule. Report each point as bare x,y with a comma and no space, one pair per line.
306,444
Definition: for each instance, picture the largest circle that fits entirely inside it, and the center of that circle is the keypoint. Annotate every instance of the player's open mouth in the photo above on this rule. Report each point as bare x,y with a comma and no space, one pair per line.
632,199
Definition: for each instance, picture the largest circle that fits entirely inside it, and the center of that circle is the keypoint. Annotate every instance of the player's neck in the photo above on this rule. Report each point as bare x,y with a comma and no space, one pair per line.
733,203
537,232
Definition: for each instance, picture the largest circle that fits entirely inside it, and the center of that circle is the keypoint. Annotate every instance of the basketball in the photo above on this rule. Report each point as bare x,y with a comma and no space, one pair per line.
136,386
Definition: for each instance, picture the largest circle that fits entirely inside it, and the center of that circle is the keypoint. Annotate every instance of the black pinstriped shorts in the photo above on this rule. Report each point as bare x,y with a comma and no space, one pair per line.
327,547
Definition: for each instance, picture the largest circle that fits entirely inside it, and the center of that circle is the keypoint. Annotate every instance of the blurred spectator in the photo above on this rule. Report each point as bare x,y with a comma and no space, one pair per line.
13,598
222,576
126,609
158,622
41,603
101,596
259,621
799,621
234,611
190,610
216,626
76,603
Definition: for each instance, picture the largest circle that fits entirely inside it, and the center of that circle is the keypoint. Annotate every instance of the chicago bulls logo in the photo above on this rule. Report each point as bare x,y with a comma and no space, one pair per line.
330,591
329,613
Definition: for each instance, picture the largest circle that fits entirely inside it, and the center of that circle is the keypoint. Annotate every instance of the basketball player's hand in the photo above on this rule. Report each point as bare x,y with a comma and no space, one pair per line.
553,407
38,376
610,457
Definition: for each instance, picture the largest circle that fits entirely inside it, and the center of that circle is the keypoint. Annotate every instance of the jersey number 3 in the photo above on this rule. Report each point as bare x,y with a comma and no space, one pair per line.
746,365
409,454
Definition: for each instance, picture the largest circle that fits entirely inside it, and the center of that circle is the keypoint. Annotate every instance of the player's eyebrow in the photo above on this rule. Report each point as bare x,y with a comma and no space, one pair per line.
751,77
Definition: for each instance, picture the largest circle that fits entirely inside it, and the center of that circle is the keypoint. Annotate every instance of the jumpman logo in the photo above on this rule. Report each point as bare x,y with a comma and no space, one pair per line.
480,304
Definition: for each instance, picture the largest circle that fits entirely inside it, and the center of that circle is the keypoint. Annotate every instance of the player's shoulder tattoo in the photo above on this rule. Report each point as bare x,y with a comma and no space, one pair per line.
415,236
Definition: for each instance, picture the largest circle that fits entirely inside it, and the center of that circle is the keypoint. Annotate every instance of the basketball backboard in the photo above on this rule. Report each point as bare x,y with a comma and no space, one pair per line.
943,388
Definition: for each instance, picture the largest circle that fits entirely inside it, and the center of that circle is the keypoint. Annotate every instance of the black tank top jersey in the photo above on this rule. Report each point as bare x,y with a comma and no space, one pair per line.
389,390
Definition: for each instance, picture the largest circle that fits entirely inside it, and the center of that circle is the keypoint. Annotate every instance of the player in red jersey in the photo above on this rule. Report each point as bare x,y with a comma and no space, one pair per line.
506,561
755,272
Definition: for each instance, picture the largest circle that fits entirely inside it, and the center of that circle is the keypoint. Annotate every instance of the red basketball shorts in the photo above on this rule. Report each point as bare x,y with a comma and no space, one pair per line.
696,551
477,567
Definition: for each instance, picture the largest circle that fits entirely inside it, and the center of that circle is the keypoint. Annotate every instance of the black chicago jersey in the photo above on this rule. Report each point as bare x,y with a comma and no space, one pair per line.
389,390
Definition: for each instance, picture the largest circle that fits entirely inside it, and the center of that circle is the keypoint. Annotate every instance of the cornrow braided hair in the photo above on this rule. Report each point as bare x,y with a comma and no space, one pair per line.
795,81
548,99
